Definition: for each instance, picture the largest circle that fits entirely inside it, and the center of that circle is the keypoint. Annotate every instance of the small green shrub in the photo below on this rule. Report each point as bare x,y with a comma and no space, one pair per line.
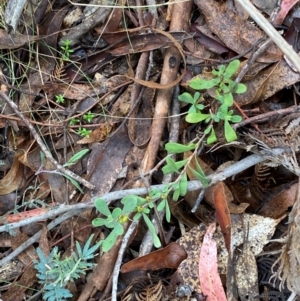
221,88
54,273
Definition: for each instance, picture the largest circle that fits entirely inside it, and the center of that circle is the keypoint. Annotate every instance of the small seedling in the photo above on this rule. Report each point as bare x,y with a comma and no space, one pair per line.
221,88
88,117
66,50
74,121
59,98
84,132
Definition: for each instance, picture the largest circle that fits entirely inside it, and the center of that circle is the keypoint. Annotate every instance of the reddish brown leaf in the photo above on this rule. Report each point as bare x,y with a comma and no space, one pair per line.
169,257
24,215
285,7
209,277
222,213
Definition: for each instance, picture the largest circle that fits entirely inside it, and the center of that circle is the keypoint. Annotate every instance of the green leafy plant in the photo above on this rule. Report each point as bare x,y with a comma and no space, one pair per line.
134,208
221,87
76,157
66,50
54,273
59,98
74,121
84,132
89,116
180,185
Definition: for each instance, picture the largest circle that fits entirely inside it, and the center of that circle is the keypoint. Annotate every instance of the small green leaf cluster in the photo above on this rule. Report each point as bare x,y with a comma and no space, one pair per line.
66,50
54,273
59,98
134,208
84,132
88,117
180,186
221,88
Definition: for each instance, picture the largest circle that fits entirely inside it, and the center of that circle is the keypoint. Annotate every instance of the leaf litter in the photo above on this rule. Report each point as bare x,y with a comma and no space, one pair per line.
106,77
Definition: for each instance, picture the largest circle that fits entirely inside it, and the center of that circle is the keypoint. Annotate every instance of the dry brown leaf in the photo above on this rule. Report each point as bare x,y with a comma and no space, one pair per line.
106,161
98,135
74,91
169,257
227,24
246,275
14,177
222,213
268,82
15,40
278,205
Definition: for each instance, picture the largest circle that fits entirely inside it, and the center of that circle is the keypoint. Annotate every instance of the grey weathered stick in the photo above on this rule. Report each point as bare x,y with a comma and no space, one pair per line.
265,25
13,12
36,236
122,250
43,147
116,195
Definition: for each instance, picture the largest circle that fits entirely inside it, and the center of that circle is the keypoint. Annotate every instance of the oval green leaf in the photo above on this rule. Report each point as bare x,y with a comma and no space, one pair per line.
178,148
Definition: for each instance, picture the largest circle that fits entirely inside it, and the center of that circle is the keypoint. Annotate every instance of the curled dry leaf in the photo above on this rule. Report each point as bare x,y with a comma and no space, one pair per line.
14,177
222,213
267,83
169,257
97,135
209,277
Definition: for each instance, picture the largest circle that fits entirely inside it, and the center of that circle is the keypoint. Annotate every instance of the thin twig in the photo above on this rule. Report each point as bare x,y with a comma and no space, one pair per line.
43,147
36,236
118,263
267,115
